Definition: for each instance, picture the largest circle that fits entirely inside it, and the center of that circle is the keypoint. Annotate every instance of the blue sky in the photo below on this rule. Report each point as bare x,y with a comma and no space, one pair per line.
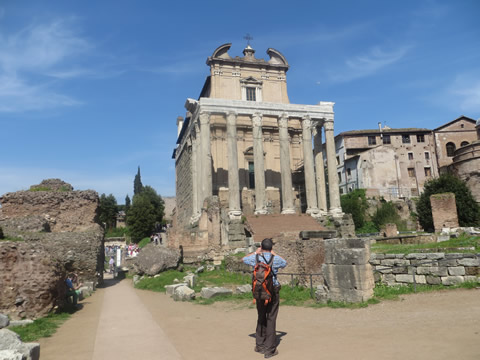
89,90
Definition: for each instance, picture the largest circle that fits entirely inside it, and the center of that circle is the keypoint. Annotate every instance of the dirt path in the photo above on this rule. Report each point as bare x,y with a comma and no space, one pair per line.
440,325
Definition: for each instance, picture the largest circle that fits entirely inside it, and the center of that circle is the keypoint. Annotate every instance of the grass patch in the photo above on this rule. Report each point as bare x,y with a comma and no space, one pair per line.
470,243
43,327
158,283
384,292
143,242
13,239
116,232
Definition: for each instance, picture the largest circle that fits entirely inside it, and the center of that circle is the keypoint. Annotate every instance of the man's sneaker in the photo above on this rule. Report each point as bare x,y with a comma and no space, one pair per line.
259,350
269,355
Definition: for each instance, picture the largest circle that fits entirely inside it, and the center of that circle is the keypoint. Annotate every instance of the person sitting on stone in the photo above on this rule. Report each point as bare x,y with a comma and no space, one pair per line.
72,288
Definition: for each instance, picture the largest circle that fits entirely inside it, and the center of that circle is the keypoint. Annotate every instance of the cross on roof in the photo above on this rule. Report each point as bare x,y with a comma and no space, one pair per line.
248,37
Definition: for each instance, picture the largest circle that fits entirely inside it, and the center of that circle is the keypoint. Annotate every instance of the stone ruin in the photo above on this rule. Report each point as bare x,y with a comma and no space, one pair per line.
444,211
60,234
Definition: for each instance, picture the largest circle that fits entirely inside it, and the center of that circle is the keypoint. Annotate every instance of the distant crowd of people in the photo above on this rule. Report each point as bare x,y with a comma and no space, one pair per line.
156,239
131,250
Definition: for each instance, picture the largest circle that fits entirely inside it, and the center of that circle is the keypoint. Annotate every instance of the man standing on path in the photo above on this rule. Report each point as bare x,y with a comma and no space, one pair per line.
266,337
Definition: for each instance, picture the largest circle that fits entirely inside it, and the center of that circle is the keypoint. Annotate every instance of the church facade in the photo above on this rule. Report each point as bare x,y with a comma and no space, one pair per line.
243,141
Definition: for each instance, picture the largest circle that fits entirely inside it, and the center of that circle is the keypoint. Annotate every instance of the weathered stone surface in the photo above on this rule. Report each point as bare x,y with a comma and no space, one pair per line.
62,210
359,277
200,269
243,289
452,280
4,321
235,264
208,293
472,270
433,280
152,259
10,355
353,296
456,271
170,289
472,278
408,279
341,256
190,280
469,262
321,294
11,341
38,280
435,256
183,293
432,270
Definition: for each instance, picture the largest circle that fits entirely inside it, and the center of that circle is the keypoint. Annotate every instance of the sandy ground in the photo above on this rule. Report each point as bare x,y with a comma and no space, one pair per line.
119,322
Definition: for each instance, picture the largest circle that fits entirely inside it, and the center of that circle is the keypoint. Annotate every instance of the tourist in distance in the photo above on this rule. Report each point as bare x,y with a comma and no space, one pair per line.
72,288
267,311
111,264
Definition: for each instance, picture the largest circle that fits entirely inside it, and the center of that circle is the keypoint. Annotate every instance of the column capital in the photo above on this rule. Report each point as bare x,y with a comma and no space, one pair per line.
232,117
328,125
307,122
283,121
204,117
232,113
257,119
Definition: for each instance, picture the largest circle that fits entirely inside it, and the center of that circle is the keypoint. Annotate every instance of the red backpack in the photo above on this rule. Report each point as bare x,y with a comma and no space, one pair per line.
262,280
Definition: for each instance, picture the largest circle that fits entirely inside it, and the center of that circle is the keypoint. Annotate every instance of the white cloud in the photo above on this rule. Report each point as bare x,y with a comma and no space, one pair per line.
465,92
31,58
368,64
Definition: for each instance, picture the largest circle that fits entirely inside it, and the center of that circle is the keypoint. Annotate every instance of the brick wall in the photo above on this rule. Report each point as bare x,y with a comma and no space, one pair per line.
184,187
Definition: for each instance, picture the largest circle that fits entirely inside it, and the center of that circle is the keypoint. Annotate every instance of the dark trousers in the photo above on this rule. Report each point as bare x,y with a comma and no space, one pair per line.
266,335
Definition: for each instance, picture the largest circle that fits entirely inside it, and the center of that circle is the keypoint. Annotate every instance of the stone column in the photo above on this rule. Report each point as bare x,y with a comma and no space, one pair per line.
233,181
335,207
206,152
258,164
308,167
319,170
285,169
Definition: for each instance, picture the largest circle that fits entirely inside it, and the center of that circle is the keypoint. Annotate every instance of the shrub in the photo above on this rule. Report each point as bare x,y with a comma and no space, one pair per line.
387,213
355,203
467,208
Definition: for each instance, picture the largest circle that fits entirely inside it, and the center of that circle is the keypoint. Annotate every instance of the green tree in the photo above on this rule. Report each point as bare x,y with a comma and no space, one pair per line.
137,183
355,203
127,203
141,218
467,208
107,210
156,201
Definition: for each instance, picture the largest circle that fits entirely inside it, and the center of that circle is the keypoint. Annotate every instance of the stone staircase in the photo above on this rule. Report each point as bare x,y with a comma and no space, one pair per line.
273,225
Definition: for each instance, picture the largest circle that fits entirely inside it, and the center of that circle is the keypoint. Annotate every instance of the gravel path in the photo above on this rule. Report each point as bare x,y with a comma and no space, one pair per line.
119,322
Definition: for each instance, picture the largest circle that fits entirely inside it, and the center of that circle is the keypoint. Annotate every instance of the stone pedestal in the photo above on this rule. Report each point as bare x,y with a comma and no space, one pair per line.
347,272
444,211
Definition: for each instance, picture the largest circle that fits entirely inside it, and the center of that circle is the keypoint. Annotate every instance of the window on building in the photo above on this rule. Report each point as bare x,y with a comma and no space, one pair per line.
338,160
462,125
410,156
420,138
411,172
339,177
251,94
372,140
428,172
450,149
464,143
406,139
341,191
386,139
251,175
427,155
349,171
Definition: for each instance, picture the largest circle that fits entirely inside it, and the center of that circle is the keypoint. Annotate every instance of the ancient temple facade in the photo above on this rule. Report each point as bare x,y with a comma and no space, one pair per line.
243,141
